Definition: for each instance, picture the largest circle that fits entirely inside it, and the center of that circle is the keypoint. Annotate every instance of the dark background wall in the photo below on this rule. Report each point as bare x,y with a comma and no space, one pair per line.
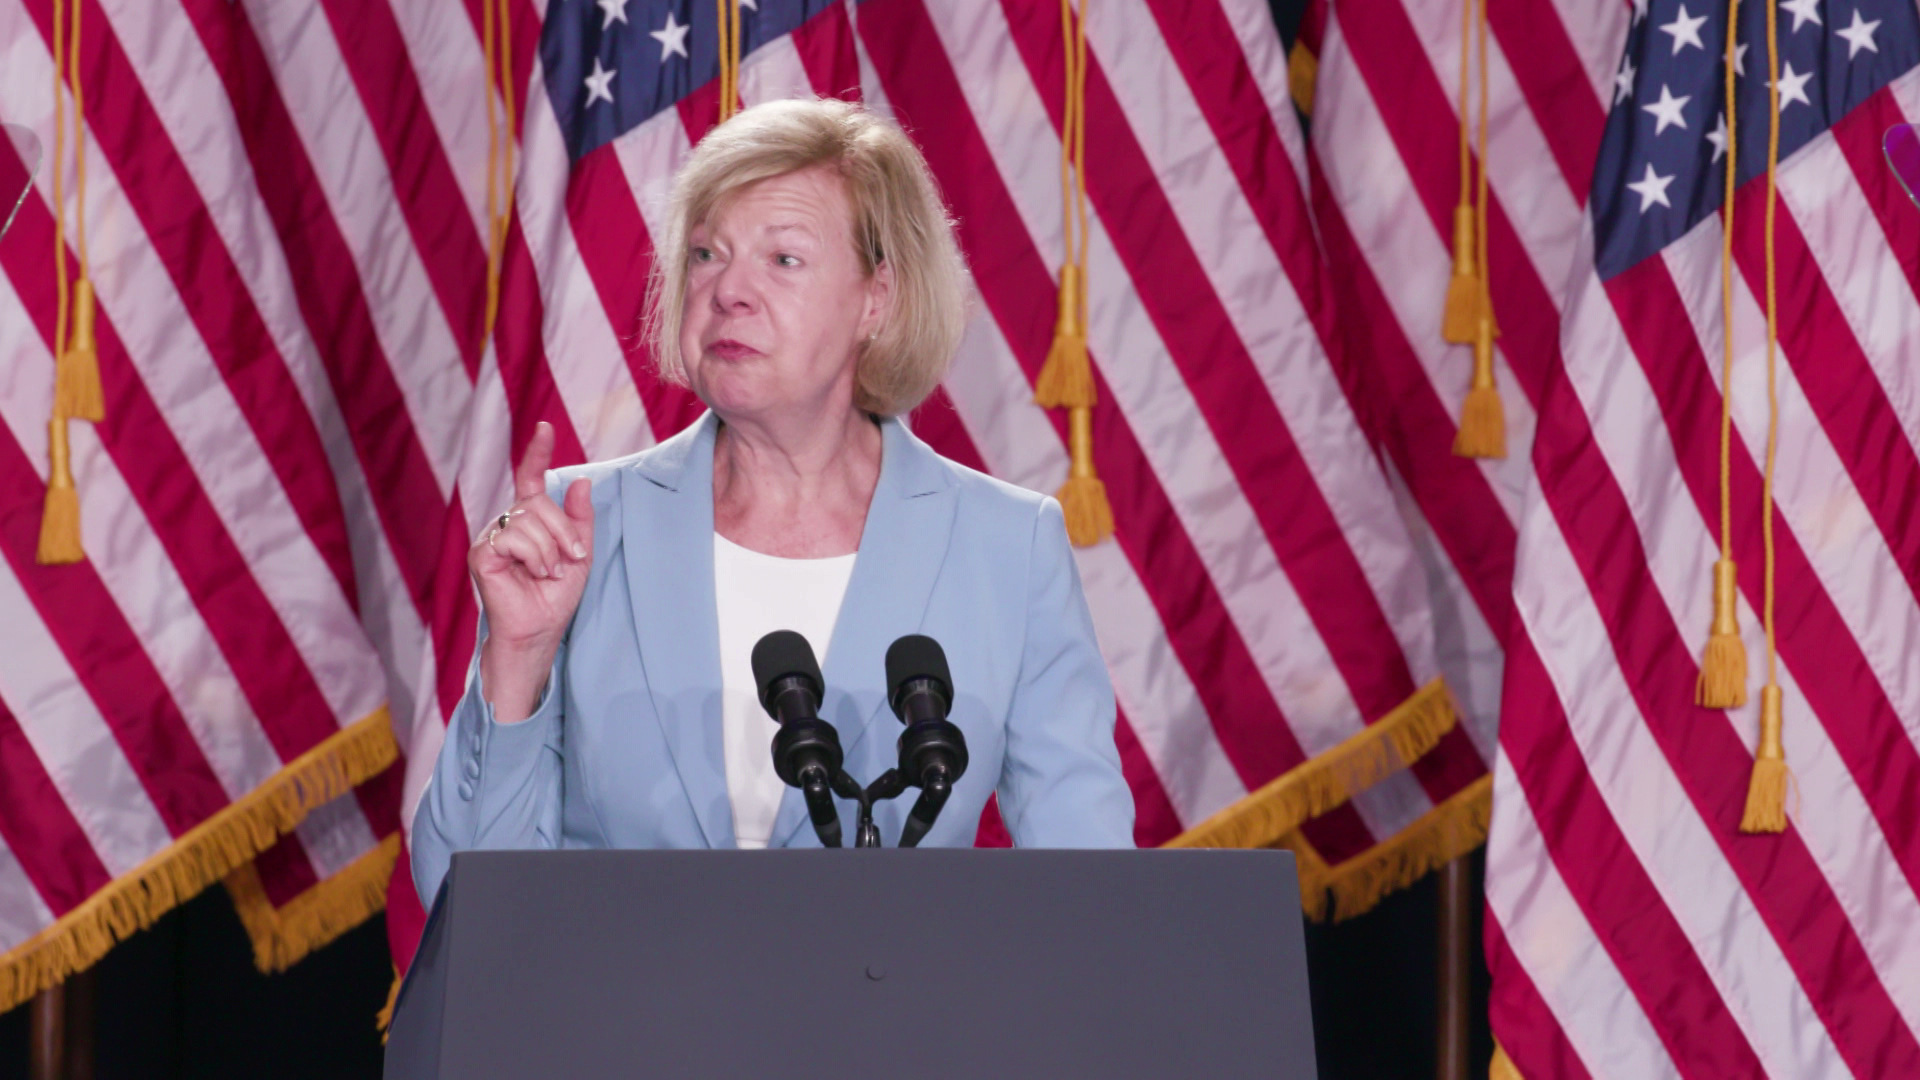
182,1001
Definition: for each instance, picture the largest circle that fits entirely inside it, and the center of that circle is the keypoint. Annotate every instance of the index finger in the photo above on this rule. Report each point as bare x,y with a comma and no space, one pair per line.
530,478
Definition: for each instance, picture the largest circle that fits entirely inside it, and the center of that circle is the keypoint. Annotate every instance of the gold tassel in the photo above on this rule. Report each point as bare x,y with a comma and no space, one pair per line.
60,519
76,388
1462,318
1502,1066
1303,69
1483,423
1766,810
1083,498
1066,379
1723,668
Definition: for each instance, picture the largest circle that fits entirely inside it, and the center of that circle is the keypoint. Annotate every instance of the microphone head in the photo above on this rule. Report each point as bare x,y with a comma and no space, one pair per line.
781,654
916,656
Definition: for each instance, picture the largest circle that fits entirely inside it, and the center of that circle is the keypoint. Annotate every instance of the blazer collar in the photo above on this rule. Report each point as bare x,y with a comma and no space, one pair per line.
667,497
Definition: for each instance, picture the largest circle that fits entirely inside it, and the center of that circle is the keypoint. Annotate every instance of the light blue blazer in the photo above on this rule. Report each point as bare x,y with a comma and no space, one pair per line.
624,749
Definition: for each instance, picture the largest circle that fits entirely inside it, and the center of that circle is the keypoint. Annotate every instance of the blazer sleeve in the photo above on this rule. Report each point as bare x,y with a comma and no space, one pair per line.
1061,784
494,785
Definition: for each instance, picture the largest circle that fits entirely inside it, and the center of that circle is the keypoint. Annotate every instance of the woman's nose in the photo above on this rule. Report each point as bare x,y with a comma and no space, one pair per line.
733,288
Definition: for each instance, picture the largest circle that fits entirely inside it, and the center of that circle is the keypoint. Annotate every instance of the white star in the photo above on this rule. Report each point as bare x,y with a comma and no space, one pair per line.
1859,35
1685,31
1804,11
750,5
1639,11
599,84
1793,87
1652,188
1718,136
1740,60
1667,110
1623,82
614,10
672,38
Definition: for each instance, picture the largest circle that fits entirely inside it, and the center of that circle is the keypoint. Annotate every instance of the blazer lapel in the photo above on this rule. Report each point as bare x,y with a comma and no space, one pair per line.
902,547
667,537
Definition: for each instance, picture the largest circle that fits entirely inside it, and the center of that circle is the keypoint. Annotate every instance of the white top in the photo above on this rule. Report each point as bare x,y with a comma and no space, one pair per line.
757,594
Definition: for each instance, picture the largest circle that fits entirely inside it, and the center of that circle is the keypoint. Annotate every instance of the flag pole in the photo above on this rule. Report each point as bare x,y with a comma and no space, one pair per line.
1454,962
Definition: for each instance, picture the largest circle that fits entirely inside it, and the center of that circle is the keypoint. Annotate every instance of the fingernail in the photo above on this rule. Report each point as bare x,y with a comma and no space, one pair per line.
579,550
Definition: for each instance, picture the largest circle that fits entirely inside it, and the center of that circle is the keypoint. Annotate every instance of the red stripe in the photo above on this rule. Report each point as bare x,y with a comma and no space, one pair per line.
87,625
430,199
826,48
285,871
618,254
1216,70
327,286
1832,368
406,915
938,423
920,83
1711,764
1522,1021
1228,388
1414,425
1553,80
35,823
290,707
1858,135
214,295
1621,904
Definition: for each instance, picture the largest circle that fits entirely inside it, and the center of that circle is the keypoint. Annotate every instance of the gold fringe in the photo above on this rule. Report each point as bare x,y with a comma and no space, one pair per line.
1723,667
1441,835
1315,786
1766,809
60,516
1303,70
207,853
384,1018
76,380
1502,1067
1461,317
283,936
1066,379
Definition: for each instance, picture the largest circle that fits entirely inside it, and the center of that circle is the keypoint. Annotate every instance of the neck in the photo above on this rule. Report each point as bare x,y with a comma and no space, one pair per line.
796,486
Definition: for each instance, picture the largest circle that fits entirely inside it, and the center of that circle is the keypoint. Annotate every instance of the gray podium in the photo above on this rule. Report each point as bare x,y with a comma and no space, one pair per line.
859,963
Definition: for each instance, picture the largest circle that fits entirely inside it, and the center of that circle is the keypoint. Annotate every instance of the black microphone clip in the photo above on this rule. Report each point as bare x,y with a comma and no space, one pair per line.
932,749
806,749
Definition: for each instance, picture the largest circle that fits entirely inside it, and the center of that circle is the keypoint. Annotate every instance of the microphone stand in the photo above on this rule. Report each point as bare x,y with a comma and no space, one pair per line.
890,785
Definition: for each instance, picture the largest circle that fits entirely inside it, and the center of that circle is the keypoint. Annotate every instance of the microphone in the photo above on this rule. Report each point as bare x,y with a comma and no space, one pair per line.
933,752
806,749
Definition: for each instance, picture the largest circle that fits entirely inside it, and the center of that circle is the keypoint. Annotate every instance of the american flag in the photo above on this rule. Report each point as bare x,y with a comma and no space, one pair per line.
1632,930
306,422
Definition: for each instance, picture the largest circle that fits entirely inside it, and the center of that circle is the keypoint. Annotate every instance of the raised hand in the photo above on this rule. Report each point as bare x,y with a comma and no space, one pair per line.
531,572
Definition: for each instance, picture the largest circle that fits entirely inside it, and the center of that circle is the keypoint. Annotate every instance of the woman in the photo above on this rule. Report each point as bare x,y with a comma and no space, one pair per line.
809,291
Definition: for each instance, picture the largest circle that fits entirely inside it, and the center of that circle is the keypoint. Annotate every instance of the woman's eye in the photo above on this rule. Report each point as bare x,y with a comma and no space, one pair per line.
786,260
701,255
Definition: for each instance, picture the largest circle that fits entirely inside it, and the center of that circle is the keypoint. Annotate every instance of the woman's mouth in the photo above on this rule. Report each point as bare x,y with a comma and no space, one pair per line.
729,349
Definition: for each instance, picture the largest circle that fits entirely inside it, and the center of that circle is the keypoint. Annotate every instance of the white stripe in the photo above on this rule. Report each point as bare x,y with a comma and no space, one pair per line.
335,835
1818,185
419,345
1843,838
22,911
1598,33
774,72
1548,932
1253,27
134,568
449,60
1159,407
585,352
1018,444
1373,192
185,383
1859,574
72,740
1658,818
1263,304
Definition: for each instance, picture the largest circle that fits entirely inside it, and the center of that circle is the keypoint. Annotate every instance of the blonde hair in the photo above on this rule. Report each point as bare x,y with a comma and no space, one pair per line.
898,218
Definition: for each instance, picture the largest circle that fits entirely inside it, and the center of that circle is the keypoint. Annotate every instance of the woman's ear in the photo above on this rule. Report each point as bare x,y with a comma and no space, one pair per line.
879,299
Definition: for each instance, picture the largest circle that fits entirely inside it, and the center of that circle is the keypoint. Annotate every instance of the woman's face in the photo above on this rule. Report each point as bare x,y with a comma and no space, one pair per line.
776,302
